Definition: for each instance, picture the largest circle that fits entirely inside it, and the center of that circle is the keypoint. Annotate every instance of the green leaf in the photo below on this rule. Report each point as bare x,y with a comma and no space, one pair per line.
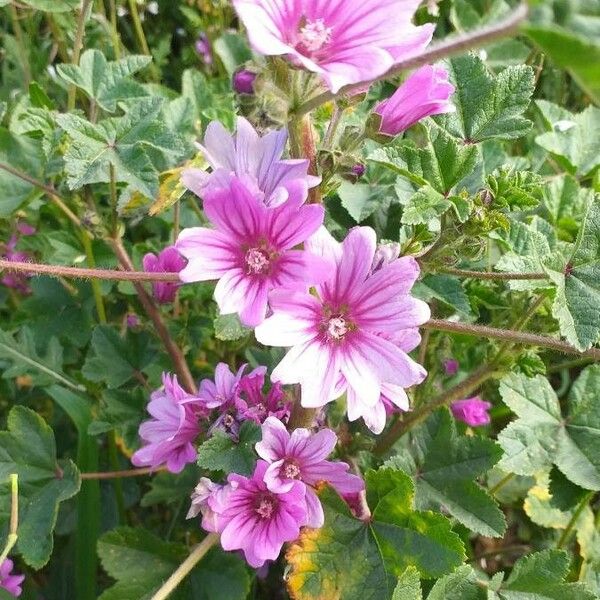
222,453
105,82
169,488
137,145
361,200
229,328
409,586
115,360
574,138
445,466
28,448
141,563
488,106
350,559
446,288
426,206
542,436
578,284
233,51
22,353
53,5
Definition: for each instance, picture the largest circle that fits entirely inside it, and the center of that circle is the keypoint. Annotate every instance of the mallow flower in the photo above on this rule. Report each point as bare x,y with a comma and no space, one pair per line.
9,581
472,411
256,520
255,160
250,250
339,338
168,437
343,41
167,261
301,456
425,93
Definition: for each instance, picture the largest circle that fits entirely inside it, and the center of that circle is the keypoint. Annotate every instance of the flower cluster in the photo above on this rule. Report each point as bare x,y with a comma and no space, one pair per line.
258,514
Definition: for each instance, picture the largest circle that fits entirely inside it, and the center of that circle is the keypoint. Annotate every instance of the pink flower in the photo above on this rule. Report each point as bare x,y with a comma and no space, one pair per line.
300,456
169,436
208,499
222,392
8,582
338,338
257,520
250,250
344,41
472,411
243,81
17,281
426,92
255,405
204,49
253,159
451,366
168,261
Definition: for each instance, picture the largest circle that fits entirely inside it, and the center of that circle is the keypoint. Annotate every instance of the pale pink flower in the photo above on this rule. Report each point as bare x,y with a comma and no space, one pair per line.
338,339
9,582
256,520
208,499
425,93
250,251
255,160
168,437
472,411
344,41
301,456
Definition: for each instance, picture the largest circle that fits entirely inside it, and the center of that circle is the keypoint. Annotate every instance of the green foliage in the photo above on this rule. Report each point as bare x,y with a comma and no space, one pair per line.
221,453
351,559
444,466
229,328
542,436
28,449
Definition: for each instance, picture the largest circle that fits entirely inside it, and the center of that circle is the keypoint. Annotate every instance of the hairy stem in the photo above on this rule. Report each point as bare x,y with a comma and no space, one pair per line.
448,47
179,363
113,458
461,390
98,299
16,25
304,145
12,537
186,566
120,474
83,273
566,534
78,45
48,189
114,31
508,335
493,274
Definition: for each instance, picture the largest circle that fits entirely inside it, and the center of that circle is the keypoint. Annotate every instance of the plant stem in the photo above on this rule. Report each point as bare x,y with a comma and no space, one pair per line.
48,189
566,534
83,273
120,474
14,17
461,390
508,335
303,145
493,274
569,364
113,458
186,566
114,31
139,30
97,291
113,198
451,46
78,45
12,537
500,484
181,368
328,140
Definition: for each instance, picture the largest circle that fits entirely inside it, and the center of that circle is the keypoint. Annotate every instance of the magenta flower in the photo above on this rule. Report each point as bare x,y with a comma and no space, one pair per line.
17,281
8,582
168,437
451,366
425,93
222,392
204,49
257,520
253,159
208,499
344,41
301,456
472,411
167,261
254,404
250,250
243,81
337,338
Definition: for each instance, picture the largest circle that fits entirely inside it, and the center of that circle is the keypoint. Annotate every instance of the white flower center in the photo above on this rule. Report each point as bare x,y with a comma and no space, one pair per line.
266,507
291,470
314,35
257,261
337,328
